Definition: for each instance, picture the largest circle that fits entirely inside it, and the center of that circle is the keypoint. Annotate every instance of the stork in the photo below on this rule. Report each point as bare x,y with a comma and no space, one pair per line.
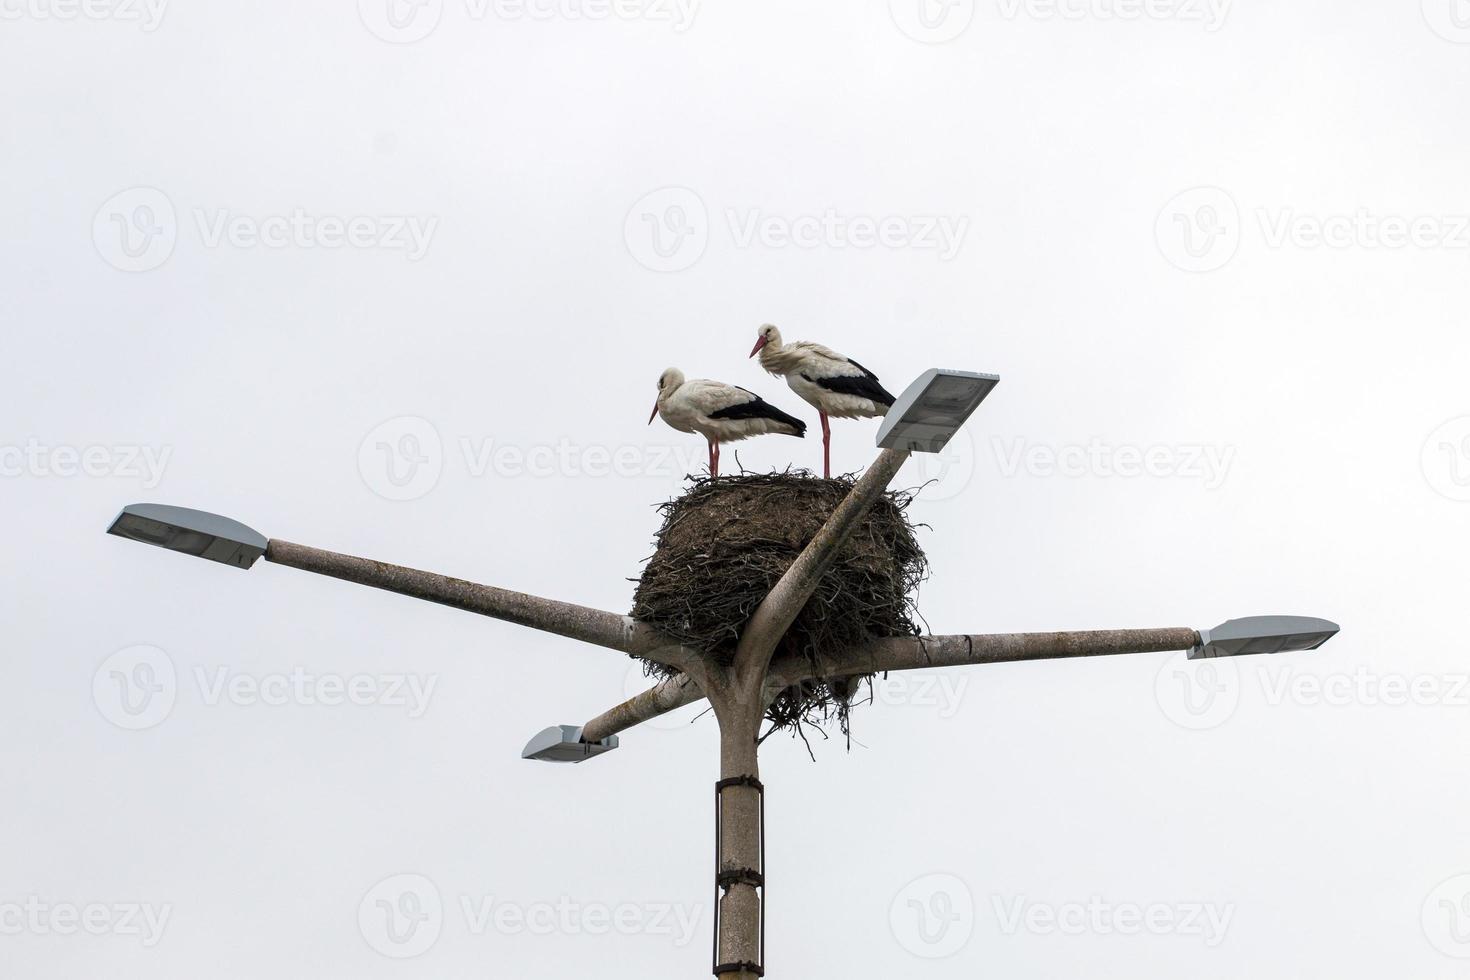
836,386
719,412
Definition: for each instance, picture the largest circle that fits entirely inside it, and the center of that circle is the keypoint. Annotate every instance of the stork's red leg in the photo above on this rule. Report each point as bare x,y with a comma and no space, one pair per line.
709,455
716,470
826,447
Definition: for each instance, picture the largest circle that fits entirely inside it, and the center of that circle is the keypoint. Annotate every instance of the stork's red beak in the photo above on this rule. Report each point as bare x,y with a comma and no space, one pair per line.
760,342
654,415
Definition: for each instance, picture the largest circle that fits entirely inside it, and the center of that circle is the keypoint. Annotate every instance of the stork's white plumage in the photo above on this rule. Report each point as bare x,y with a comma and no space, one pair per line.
719,412
836,386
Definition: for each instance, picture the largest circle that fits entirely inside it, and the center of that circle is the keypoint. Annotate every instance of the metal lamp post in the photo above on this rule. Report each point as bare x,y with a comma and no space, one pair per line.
922,419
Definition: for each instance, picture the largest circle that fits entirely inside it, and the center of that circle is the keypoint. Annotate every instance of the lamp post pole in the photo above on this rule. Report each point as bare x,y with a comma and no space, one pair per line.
922,419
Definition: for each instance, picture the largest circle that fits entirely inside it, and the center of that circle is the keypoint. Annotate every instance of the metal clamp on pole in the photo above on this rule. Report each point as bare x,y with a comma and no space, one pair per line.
725,878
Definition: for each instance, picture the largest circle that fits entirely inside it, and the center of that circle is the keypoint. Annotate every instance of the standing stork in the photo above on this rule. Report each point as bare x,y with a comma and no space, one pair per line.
835,386
719,412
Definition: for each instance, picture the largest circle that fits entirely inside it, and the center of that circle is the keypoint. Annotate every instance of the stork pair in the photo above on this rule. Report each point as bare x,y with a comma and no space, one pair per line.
836,386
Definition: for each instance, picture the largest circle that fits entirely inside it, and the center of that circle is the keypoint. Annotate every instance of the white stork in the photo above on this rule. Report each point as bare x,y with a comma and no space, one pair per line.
835,386
719,412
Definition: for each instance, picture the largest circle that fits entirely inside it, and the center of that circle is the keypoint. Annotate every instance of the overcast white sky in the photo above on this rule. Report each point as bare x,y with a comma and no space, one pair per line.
398,281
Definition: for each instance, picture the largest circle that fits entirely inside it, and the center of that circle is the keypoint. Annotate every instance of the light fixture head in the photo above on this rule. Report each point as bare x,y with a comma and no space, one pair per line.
192,532
1263,634
931,410
563,743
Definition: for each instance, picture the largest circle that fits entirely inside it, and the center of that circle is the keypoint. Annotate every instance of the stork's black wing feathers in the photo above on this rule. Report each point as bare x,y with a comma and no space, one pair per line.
759,408
866,386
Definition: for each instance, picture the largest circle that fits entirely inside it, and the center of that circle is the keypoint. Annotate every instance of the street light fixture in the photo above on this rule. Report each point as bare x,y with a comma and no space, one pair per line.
193,532
1263,634
923,419
563,743
932,409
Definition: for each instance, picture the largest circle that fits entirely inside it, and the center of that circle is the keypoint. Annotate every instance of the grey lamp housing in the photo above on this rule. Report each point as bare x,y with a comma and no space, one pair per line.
192,532
1263,634
563,743
931,410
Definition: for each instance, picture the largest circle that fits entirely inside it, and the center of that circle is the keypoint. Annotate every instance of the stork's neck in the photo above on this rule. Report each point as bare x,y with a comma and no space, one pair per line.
778,358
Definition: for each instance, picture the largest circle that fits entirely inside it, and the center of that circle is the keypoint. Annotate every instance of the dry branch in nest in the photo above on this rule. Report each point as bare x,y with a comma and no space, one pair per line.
725,543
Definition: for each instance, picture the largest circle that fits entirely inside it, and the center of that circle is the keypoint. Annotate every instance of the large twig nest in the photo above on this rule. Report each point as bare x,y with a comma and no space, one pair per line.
726,542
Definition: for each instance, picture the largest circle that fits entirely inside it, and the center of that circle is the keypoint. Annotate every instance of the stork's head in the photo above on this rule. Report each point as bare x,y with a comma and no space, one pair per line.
668,383
768,335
